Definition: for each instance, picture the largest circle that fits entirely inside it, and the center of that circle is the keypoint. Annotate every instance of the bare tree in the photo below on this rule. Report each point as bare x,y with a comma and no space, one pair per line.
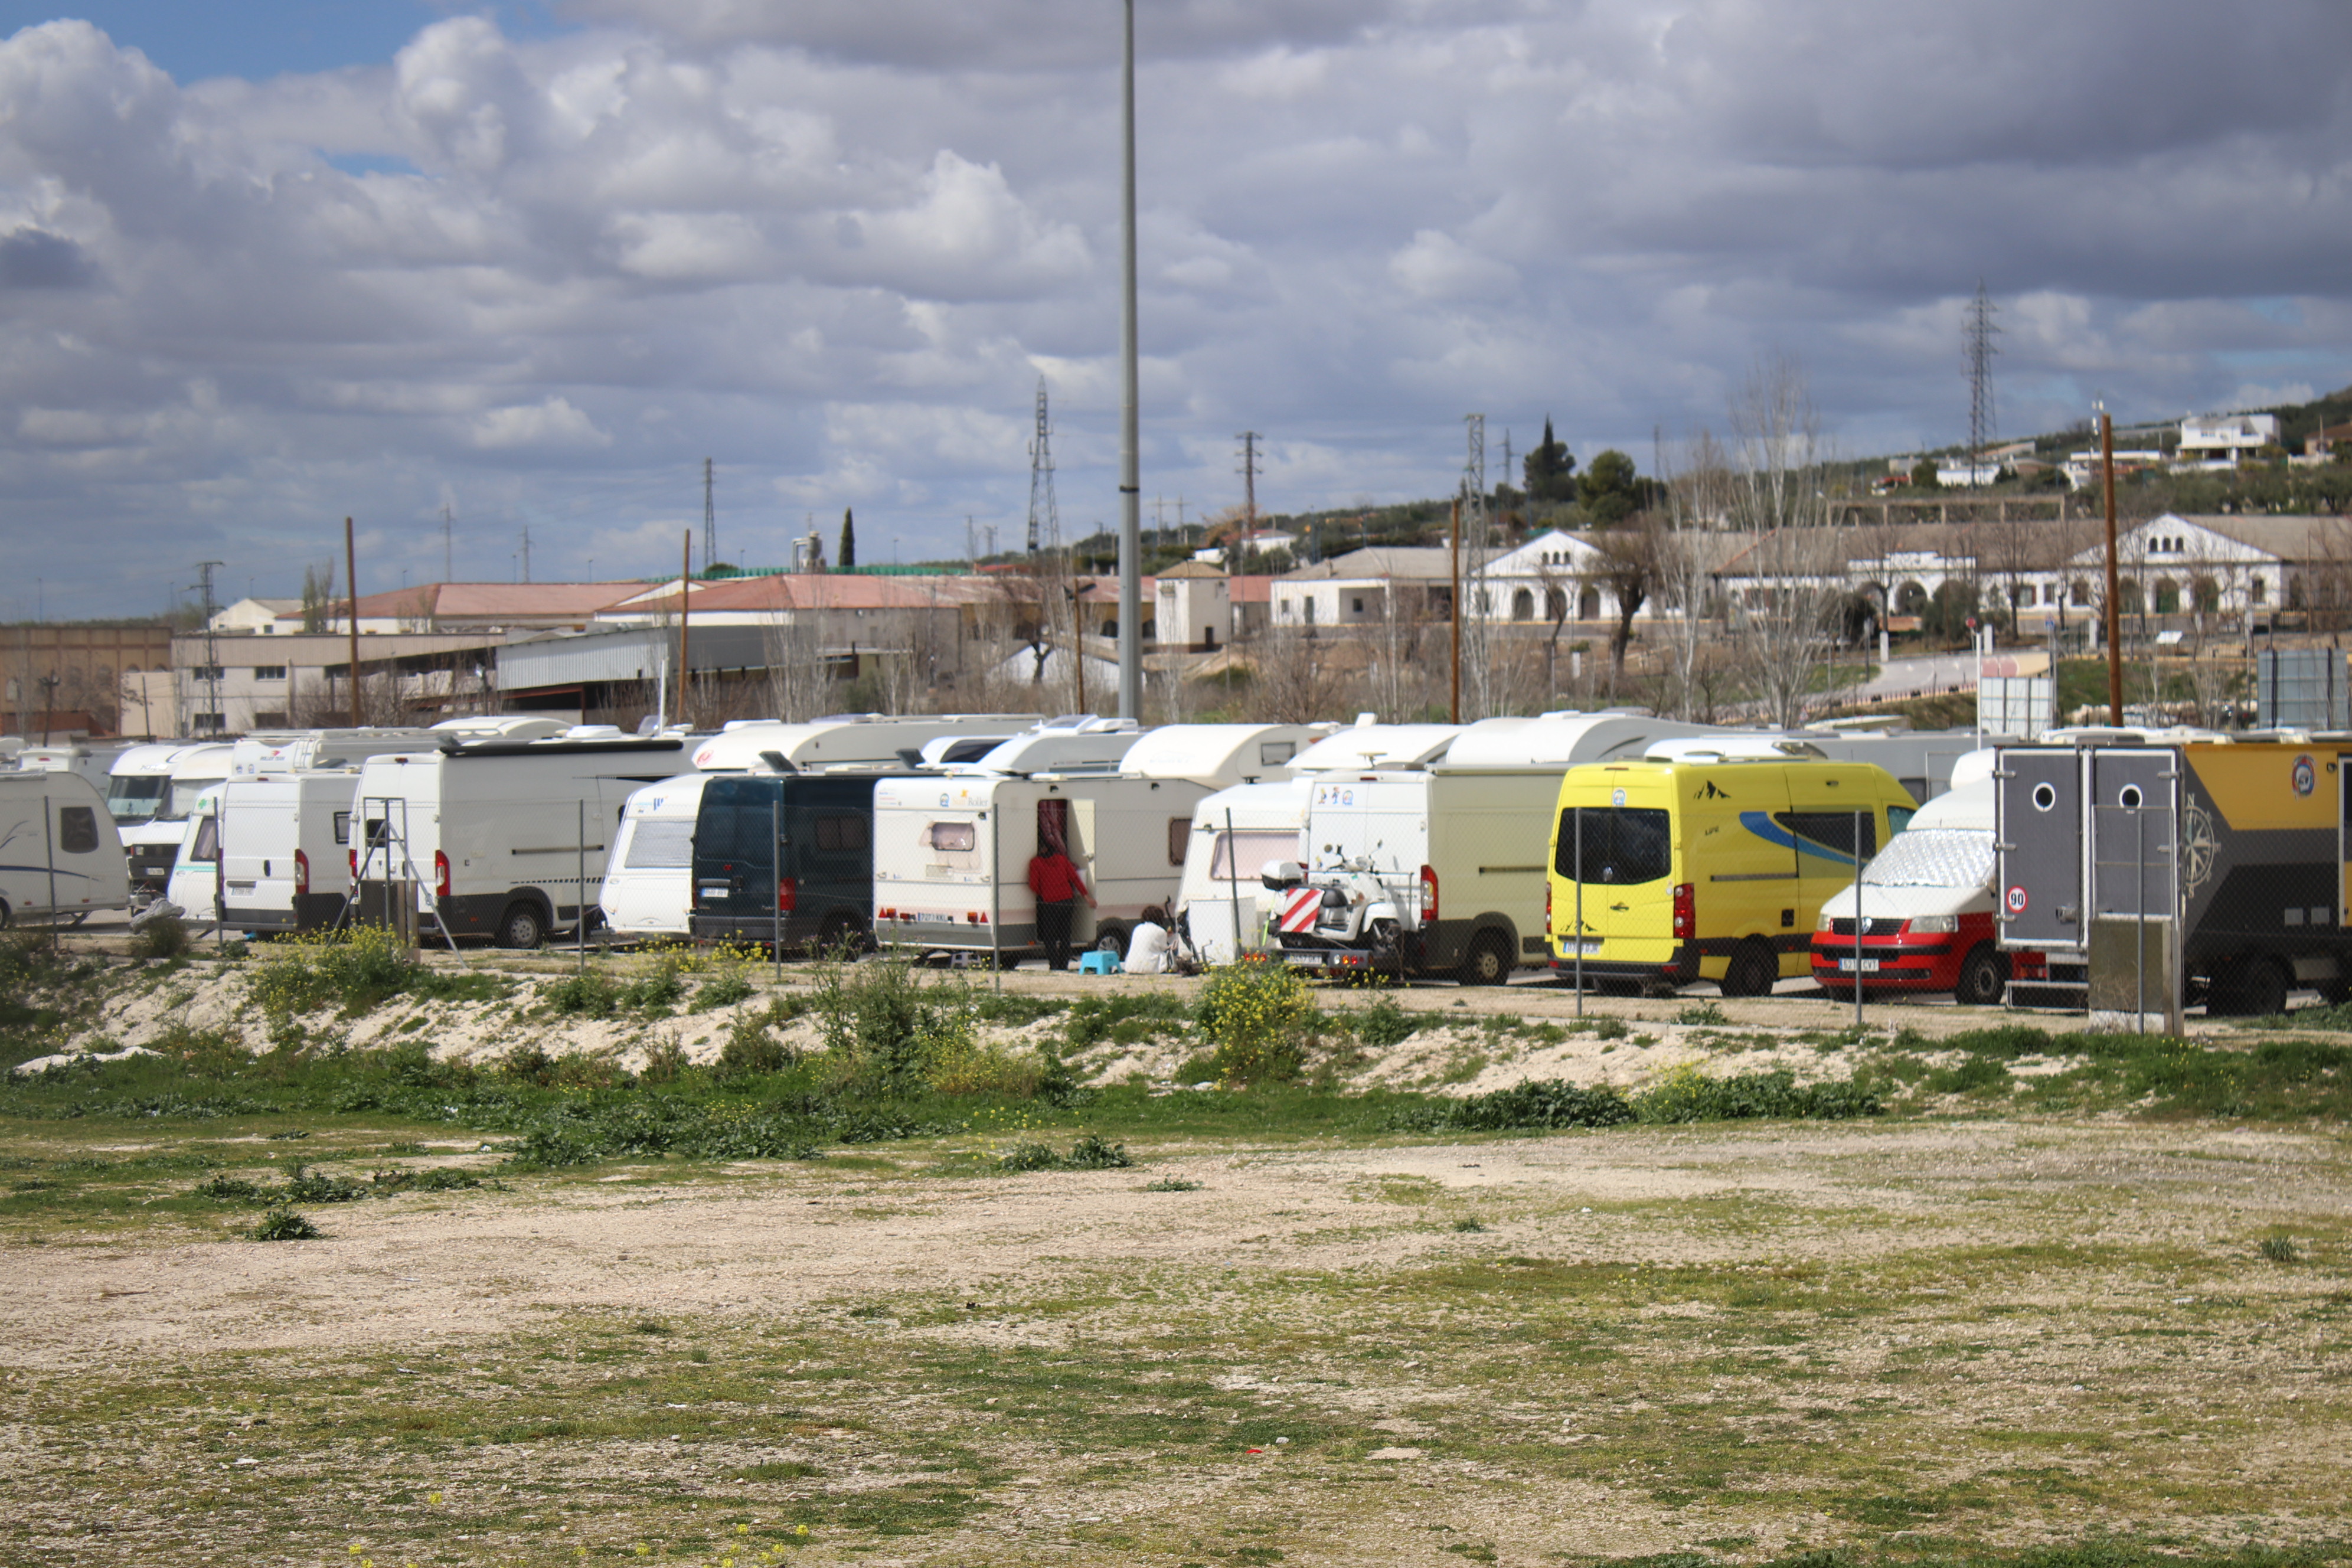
1396,683
1295,678
1780,492
799,682
1627,566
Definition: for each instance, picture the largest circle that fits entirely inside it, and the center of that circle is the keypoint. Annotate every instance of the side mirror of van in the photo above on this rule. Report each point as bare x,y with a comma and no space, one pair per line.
1282,874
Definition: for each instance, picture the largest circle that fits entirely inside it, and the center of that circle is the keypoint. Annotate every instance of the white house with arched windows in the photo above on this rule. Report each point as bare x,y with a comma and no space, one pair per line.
1553,576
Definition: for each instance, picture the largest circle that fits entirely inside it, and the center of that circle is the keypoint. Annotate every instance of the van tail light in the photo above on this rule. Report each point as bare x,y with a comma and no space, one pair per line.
1686,911
1547,903
440,874
355,862
788,893
1429,892
301,873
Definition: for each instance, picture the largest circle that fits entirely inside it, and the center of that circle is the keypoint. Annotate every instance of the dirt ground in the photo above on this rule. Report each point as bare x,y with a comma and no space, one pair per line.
1740,1341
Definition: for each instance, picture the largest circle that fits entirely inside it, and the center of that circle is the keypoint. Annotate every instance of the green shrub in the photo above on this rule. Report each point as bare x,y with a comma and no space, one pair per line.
285,1225
164,936
359,968
750,1050
1090,1152
1609,1029
1544,1104
591,994
723,990
1687,1094
1701,1013
1384,1025
883,1025
1259,1016
1124,1017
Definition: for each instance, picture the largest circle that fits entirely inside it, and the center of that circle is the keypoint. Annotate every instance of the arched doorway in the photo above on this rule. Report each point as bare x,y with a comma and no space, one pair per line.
1523,605
1587,604
2168,597
1910,599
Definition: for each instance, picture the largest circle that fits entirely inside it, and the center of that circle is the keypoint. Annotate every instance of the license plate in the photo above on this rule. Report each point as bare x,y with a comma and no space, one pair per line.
1866,966
717,893
1587,947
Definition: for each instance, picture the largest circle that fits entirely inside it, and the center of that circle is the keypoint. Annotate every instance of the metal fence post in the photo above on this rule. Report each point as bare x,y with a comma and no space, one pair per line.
776,898
580,897
1857,920
995,901
50,856
1234,880
2139,919
1580,909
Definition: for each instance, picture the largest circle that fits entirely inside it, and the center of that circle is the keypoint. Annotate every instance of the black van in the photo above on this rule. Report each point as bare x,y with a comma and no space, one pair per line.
827,823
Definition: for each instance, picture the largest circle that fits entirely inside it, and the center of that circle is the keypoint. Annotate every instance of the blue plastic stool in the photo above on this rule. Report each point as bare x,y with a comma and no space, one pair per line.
1094,961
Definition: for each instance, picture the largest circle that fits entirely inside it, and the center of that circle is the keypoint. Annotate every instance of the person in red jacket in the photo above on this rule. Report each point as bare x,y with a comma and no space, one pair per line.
1053,878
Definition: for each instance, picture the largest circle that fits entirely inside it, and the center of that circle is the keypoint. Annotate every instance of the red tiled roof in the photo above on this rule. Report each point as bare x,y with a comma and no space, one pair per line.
484,601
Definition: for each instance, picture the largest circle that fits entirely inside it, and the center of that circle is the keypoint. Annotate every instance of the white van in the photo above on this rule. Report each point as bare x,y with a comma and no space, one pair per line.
506,840
152,844
1237,833
1442,870
286,840
647,892
951,854
59,852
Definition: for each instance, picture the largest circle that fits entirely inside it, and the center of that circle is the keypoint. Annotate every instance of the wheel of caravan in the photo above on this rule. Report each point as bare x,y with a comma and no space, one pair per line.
522,927
1984,977
1112,938
2261,988
1489,962
1752,969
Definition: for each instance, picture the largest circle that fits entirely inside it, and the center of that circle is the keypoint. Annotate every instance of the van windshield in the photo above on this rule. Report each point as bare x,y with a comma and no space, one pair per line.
133,797
1621,845
1934,857
182,799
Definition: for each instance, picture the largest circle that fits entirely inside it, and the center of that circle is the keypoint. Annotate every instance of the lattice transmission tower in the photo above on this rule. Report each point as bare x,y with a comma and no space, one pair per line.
1977,337
1476,657
1045,516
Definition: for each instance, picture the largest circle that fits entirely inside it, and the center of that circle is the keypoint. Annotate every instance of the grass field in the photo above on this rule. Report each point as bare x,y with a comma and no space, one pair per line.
2061,1300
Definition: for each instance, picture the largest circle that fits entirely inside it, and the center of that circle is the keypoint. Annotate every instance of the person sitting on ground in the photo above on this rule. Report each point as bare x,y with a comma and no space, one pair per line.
1151,950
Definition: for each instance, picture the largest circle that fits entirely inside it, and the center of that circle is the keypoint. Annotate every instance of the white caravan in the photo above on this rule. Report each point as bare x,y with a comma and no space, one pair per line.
1921,760
501,838
1441,871
952,854
151,843
1074,743
93,759
60,853
647,892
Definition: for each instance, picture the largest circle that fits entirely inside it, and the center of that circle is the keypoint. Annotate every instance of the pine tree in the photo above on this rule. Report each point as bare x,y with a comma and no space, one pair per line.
847,556
1551,469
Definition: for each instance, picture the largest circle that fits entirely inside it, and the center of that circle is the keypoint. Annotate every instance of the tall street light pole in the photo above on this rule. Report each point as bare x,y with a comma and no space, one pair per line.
1130,468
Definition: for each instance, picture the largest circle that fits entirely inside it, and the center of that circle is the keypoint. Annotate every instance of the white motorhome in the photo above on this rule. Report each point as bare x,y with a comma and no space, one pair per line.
287,843
1441,869
139,781
61,854
858,739
506,840
194,884
1238,832
1921,760
647,890
952,854
295,751
93,759
151,843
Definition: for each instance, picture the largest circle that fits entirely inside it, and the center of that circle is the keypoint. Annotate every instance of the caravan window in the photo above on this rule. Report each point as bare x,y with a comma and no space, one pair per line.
206,848
1180,829
841,833
342,827
1623,845
1254,849
658,842
76,829
958,838
1274,754
1832,830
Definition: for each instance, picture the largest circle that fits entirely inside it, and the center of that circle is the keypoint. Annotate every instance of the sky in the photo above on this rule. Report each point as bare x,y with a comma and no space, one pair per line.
524,267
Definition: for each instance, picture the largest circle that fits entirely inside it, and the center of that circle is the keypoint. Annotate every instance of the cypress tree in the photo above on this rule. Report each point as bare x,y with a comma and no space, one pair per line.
847,557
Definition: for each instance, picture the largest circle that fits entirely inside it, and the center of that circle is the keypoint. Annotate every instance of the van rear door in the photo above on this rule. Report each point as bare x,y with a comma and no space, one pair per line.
1616,844
735,847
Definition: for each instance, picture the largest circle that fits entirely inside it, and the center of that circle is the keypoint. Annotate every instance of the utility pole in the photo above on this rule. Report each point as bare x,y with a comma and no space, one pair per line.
685,613
351,582
1130,439
1455,712
710,519
1473,487
212,644
2114,620
1249,471
526,553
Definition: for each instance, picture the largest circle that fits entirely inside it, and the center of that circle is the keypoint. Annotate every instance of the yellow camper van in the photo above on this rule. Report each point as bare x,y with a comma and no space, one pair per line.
1710,870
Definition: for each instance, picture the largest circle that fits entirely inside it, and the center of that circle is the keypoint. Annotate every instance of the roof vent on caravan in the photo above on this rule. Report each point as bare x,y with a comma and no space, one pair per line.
1364,746
592,732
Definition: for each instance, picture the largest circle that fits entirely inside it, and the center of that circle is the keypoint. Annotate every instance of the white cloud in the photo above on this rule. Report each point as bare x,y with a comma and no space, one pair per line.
551,425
